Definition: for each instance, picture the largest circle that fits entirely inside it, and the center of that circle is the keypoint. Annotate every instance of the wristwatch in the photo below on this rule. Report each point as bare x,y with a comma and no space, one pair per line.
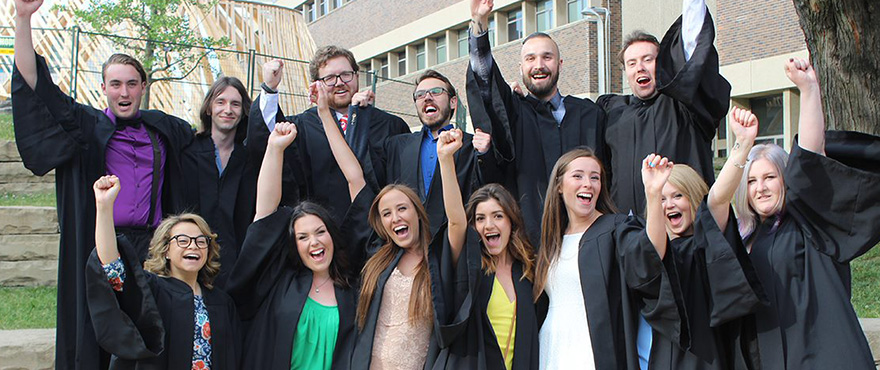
268,89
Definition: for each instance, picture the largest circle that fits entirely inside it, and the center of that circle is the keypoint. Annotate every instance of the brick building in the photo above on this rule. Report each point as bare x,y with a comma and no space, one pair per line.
397,39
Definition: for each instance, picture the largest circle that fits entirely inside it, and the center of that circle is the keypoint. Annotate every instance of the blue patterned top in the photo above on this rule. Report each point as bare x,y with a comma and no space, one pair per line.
201,360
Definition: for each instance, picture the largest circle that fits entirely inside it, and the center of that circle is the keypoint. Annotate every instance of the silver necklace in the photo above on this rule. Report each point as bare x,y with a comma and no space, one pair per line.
318,288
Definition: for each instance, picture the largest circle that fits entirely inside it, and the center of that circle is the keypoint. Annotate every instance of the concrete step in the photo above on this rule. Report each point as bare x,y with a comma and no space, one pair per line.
28,220
29,242
14,172
16,179
27,349
29,273
9,152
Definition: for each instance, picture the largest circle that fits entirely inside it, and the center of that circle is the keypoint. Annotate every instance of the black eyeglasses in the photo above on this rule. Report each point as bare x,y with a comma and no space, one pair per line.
434,91
331,80
184,241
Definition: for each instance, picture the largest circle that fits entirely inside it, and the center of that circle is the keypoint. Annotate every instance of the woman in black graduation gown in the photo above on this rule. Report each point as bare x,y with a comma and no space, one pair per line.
803,222
718,283
597,278
408,308
502,331
169,316
295,281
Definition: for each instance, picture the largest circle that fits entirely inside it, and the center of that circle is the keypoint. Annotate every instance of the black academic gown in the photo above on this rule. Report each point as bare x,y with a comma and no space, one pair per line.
622,278
477,347
310,170
52,131
831,217
402,164
719,287
149,325
227,201
452,307
526,140
271,293
679,122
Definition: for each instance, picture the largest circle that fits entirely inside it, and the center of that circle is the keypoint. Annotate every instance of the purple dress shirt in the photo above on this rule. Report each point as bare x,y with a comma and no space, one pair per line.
129,156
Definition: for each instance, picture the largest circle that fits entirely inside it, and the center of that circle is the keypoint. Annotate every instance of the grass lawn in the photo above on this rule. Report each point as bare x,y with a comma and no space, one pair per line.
866,284
6,132
39,199
27,308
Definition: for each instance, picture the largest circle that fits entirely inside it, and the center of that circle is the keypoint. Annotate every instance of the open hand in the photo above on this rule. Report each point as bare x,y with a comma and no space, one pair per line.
655,173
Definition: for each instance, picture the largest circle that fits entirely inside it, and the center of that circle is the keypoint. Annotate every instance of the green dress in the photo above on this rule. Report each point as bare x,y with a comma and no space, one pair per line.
315,338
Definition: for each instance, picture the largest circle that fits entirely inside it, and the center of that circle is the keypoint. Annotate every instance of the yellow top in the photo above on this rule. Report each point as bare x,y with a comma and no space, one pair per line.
502,315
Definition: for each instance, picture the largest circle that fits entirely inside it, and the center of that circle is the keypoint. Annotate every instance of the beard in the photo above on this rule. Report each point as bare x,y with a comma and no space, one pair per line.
544,90
437,121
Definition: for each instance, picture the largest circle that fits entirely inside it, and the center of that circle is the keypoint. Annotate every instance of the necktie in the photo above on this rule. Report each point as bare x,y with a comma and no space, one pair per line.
343,123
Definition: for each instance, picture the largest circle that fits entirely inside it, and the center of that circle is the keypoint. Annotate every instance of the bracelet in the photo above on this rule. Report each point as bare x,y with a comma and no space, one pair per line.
741,166
268,89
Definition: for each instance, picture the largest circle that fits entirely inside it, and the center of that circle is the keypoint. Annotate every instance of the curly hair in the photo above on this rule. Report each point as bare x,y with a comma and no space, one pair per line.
161,241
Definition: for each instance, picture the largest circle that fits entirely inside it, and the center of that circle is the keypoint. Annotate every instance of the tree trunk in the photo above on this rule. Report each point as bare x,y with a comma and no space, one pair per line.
843,37
148,66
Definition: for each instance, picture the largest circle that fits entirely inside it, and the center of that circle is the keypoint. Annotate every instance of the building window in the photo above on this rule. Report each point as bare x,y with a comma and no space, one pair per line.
337,4
421,60
441,49
310,12
323,5
514,25
575,7
368,74
383,69
544,14
401,63
491,32
769,111
463,42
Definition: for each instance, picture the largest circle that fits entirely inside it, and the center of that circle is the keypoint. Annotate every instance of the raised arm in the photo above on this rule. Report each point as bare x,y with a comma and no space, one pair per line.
269,180
744,125
106,190
447,144
655,173
346,159
811,127
693,13
25,59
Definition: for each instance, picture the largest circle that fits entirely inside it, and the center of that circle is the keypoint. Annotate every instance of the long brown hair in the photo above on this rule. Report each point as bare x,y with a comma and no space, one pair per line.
161,241
420,304
518,245
555,219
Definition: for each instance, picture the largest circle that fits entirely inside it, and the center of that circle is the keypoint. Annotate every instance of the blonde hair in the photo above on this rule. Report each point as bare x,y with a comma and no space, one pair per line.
421,305
555,219
518,246
161,241
746,214
690,184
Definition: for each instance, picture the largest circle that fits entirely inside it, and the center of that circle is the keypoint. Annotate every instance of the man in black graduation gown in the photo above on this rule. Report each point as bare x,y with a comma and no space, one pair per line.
528,133
411,159
679,97
221,173
82,143
310,171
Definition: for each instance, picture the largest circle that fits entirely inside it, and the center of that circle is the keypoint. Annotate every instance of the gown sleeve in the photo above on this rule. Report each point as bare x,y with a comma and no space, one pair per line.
50,127
836,197
696,83
453,287
127,323
491,103
263,255
654,281
734,287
